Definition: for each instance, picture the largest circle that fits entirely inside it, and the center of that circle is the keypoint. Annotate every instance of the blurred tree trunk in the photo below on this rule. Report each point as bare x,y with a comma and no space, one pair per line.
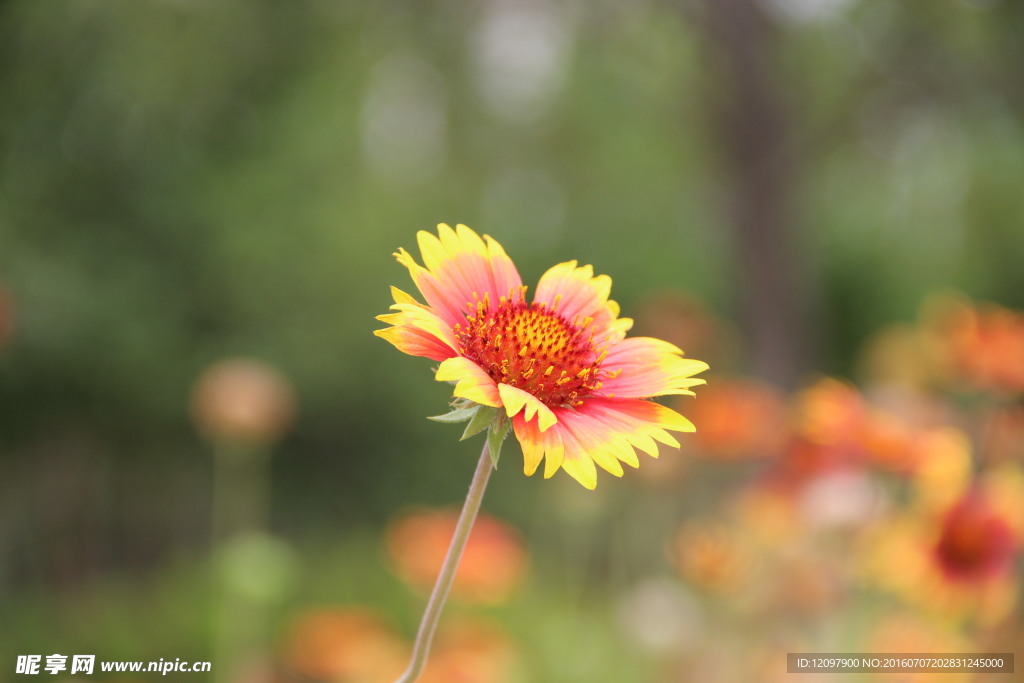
752,126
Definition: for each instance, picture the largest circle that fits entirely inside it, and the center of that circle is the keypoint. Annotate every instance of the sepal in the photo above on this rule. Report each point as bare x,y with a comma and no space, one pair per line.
457,414
496,436
480,421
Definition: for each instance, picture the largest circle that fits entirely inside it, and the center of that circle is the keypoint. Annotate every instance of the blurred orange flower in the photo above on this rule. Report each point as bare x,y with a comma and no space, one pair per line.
830,412
712,556
836,427
739,419
980,343
345,645
828,419
471,651
493,563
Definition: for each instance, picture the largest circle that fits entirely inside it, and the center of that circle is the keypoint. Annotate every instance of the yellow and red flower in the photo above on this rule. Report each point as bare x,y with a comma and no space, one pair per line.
561,367
954,556
975,542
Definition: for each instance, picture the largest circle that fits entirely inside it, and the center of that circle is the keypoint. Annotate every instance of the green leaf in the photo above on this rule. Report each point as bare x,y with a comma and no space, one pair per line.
482,420
456,415
495,437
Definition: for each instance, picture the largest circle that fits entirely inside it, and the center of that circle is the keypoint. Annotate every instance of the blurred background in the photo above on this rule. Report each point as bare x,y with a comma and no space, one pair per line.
206,455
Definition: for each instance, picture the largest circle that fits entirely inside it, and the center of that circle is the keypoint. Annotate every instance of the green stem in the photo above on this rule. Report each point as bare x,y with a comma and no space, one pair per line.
424,637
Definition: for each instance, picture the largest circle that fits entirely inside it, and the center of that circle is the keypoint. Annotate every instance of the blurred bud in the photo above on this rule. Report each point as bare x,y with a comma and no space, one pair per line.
6,317
258,566
243,401
344,644
493,562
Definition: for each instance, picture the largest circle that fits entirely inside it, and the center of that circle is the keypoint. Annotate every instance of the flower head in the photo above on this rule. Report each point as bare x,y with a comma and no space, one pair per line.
975,542
560,368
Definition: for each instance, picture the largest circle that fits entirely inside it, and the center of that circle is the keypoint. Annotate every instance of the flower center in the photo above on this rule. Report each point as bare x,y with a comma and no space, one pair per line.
533,348
973,543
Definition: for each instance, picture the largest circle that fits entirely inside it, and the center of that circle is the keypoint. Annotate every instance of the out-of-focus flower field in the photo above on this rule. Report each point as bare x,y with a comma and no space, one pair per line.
206,454
883,516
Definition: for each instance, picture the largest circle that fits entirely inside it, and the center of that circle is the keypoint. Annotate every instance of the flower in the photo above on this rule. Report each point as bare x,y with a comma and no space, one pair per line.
713,556
975,542
473,650
344,644
560,368
982,344
957,559
493,563
739,419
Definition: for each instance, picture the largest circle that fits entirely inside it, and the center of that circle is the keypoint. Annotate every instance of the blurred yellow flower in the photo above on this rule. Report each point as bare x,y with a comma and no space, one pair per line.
561,368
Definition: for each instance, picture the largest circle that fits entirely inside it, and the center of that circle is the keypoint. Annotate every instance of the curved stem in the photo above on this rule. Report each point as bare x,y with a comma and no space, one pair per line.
438,597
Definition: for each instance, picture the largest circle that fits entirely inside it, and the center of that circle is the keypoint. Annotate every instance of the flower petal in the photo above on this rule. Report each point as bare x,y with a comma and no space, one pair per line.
641,367
601,431
515,400
538,445
416,330
578,295
640,422
461,269
580,467
472,382
587,438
